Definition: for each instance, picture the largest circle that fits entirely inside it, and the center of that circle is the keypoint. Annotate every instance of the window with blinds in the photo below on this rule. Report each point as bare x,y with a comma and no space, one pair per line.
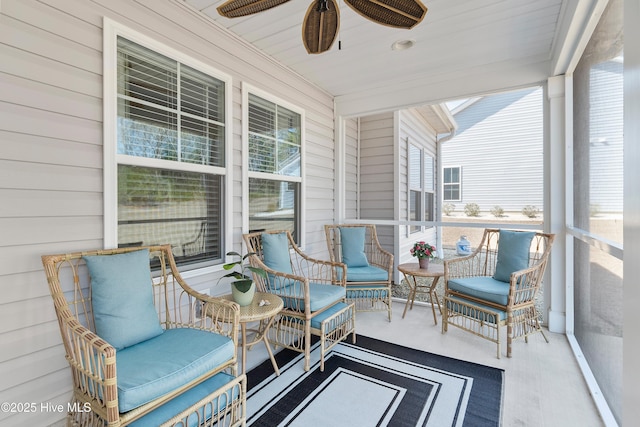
170,146
275,159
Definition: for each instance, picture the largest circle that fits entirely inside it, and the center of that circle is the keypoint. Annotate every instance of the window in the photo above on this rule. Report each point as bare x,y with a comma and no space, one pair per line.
421,187
415,186
452,184
274,164
429,188
169,154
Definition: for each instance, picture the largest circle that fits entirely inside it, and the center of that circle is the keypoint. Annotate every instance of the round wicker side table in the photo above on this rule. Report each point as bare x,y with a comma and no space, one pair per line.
411,272
264,314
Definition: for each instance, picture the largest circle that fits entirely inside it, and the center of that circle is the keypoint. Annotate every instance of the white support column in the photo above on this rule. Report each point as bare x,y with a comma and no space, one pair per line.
556,201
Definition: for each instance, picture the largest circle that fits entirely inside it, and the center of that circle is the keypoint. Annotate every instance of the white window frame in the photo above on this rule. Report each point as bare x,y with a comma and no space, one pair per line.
423,191
250,89
111,31
459,199
412,229
432,191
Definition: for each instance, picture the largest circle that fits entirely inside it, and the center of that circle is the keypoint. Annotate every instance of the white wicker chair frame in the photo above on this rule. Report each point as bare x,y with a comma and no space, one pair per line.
368,295
93,360
481,317
292,327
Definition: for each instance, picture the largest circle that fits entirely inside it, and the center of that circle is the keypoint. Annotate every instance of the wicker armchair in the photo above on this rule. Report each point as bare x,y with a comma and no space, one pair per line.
497,285
126,379
313,292
369,273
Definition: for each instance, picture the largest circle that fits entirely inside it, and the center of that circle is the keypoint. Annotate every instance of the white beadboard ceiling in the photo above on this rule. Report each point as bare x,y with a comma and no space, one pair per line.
462,48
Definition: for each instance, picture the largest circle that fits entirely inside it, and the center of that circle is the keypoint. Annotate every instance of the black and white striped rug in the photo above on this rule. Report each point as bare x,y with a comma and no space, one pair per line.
374,383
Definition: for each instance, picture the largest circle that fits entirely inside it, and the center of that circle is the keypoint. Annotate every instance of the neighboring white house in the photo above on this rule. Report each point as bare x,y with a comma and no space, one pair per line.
496,156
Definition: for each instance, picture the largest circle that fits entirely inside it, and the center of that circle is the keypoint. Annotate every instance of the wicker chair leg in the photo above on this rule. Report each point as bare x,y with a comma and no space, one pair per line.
498,339
307,346
322,347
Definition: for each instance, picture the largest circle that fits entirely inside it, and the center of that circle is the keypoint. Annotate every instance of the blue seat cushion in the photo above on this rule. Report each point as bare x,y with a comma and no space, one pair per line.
375,291
188,399
476,314
513,253
366,274
122,298
316,321
320,296
352,240
157,366
482,287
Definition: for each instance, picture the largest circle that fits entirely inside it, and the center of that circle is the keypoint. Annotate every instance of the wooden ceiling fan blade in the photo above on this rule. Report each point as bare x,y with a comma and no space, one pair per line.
236,8
393,13
320,27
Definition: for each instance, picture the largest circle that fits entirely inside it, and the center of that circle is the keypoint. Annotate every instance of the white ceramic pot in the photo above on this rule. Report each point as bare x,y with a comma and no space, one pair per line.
243,298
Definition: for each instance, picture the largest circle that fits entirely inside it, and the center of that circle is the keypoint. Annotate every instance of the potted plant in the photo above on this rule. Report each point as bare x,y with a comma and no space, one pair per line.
424,252
242,288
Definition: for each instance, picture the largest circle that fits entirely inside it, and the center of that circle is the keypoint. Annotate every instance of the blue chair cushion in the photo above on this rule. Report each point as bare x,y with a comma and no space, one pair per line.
316,321
479,315
513,253
122,298
157,366
275,251
352,240
379,291
320,296
190,398
366,274
482,287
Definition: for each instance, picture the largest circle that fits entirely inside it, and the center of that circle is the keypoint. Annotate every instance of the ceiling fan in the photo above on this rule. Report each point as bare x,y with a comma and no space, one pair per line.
322,20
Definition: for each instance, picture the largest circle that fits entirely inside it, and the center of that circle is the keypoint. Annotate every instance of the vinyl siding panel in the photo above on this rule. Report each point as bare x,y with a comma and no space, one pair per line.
499,147
377,168
606,138
51,159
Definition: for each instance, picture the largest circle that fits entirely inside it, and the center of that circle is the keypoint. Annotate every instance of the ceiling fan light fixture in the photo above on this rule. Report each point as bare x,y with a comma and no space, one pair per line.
403,44
322,21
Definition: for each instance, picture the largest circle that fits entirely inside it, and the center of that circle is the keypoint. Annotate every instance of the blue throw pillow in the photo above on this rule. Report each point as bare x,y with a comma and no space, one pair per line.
513,253
122,298
275,250
352,240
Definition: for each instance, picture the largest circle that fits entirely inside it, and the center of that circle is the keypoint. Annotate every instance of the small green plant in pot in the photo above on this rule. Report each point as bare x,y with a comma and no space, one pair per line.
242,288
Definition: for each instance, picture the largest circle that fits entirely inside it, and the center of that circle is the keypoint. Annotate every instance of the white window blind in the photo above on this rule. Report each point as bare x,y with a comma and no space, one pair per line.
275,165
170,145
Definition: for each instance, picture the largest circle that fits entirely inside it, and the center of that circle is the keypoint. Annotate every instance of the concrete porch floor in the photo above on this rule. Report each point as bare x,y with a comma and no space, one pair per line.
543,383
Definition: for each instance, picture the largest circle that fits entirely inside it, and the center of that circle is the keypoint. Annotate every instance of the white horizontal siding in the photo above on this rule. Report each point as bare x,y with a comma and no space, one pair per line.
499,147
606,137
51,160
376,167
